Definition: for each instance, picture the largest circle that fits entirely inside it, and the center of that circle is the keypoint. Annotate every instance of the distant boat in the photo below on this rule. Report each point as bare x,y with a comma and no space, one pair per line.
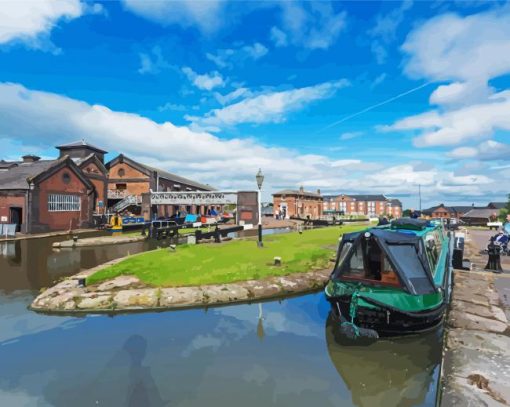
118,223
391,280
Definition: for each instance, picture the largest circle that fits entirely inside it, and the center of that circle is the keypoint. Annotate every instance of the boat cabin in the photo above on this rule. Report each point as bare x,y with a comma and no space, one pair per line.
390,256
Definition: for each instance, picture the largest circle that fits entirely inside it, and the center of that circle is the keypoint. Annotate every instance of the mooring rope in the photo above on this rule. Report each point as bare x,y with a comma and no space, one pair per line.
353,309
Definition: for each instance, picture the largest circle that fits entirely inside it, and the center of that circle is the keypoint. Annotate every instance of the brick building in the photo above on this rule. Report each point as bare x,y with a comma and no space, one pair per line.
90,159
366,205
290,202
49,195
129,179
45,195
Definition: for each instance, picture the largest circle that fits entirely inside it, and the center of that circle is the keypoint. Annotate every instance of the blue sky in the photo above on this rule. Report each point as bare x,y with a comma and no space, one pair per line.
348,97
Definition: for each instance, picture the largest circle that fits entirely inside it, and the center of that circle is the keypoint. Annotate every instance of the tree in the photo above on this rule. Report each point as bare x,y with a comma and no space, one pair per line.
503,212
406,213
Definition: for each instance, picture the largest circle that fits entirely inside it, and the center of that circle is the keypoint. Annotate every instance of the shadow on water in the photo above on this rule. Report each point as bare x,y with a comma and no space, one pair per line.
387,372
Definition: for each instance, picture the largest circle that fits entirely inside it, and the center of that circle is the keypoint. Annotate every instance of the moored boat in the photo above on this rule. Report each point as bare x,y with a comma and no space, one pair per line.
391,280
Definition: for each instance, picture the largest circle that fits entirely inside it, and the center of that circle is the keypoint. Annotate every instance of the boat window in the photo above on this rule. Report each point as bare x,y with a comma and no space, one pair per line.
412,267
368,262
431,246
343,253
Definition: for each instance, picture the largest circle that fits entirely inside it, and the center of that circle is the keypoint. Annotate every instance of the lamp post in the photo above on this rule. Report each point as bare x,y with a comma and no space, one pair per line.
260,179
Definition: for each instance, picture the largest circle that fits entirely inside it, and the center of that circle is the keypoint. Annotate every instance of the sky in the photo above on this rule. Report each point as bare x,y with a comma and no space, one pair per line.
345,97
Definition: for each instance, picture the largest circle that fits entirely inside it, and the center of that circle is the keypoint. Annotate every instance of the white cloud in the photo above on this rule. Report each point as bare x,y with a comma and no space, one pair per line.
488,150
152,62
173,107
350,135
206,15
234,95
460,93
466,52
377,81
230,58
50,118
278,37
385,29
451,47
312,25
474,122
205,81
267,107
31,22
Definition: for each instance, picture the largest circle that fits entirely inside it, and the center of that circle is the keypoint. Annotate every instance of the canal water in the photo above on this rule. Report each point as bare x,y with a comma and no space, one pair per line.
277,353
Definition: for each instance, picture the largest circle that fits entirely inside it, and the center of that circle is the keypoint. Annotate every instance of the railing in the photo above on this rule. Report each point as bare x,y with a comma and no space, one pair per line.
117,194
127,201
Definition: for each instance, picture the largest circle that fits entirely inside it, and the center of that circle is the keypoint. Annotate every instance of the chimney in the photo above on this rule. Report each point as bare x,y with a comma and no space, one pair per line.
301,189
30,158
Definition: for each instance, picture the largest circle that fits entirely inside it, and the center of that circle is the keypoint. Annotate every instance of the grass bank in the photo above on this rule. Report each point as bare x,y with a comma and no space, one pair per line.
232,261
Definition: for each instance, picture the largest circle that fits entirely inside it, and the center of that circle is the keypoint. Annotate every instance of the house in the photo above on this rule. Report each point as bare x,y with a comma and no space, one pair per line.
366,205
297,203
45,195
480,217
440,211
129,179
497,205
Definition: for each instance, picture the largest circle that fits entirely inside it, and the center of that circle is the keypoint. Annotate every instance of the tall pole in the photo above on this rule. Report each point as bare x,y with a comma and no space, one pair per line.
260,216
419,195
260,179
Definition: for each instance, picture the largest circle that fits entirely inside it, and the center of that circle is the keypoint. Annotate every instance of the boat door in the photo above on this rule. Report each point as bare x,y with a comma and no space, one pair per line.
16,216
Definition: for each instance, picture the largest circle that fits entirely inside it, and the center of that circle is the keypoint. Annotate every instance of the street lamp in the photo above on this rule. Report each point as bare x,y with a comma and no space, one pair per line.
260,179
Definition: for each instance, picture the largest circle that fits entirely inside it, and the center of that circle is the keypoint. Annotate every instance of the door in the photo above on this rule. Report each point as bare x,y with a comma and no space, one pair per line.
16,216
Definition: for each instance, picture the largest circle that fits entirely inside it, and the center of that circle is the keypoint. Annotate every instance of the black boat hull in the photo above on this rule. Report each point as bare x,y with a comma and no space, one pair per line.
387,322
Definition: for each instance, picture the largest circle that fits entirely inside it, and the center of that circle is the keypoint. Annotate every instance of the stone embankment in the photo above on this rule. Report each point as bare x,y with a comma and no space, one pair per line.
98,241
128,293
476,366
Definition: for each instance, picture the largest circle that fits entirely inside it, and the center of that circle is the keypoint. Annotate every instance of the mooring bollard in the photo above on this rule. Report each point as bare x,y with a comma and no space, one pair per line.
75,238
82,282
277,261
494,262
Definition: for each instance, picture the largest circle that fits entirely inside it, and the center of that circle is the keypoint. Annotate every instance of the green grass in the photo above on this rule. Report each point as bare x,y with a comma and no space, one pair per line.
232,261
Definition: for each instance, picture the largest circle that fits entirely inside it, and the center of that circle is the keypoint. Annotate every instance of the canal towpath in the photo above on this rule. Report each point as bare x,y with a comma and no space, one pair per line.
476,364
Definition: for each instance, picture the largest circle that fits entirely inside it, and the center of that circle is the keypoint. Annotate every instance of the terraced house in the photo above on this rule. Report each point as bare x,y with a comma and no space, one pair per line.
366,205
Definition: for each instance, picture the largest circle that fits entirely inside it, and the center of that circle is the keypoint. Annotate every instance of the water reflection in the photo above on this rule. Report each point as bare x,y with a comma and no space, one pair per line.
33,263
398,372
275,353
197,358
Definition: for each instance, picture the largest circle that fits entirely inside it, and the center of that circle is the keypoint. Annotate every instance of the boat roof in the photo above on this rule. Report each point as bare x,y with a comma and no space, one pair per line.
406,252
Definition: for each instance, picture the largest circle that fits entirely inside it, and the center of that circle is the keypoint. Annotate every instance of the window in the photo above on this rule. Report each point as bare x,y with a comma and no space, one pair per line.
369,263
66,178
63,203
121,187
122,172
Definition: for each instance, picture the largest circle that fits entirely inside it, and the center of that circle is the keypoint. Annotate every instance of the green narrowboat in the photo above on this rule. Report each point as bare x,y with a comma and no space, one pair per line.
391,280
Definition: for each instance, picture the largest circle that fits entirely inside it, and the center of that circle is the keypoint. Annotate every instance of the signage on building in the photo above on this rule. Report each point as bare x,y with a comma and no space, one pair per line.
194,198
3,219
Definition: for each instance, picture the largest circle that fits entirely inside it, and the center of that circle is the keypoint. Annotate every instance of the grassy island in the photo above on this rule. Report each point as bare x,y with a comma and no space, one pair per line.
233,261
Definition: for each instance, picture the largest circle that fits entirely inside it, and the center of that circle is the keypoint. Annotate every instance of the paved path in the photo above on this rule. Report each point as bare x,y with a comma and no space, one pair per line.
476,368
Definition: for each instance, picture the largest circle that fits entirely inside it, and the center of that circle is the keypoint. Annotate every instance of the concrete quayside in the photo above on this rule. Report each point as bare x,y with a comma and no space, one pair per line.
476,361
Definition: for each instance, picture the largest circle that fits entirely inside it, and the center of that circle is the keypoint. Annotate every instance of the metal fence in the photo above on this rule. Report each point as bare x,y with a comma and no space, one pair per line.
7,230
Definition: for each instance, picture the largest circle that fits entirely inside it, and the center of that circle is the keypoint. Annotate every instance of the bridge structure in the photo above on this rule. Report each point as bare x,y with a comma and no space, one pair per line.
246,202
